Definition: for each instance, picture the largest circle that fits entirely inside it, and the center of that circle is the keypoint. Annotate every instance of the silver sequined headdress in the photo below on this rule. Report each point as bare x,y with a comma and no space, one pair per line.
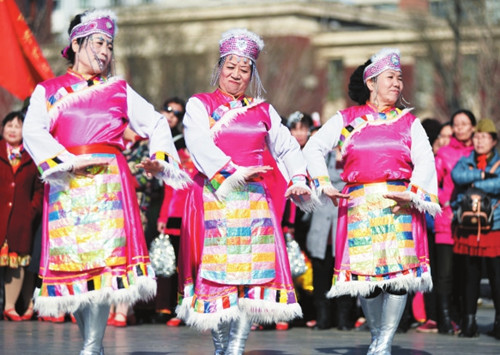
242,43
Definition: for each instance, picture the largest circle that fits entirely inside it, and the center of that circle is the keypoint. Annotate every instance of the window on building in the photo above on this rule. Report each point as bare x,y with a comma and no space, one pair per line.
335,80
424,83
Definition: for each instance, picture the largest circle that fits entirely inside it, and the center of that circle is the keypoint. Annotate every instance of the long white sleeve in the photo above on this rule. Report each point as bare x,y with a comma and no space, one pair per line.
37,140
207,157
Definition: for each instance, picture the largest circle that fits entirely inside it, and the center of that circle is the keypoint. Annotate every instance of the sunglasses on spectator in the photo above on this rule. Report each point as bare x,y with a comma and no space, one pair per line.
169,109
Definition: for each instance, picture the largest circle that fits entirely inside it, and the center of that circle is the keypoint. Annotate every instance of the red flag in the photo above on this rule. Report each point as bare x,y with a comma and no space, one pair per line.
22,65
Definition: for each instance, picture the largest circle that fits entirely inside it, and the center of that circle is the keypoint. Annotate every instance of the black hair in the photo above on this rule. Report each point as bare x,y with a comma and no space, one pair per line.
11,116
358,91
70,54
432,127
176,100
300,117
469,114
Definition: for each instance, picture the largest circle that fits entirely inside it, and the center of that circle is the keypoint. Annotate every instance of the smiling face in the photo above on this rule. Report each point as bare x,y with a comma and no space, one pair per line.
94,55
13,132
235,75
386,89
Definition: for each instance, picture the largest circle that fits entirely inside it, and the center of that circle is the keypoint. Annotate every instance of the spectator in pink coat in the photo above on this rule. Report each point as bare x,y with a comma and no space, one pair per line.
463,124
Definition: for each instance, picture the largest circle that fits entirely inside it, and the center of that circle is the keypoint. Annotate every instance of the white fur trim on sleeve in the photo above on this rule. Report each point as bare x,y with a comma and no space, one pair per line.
237,179
306,203
174,177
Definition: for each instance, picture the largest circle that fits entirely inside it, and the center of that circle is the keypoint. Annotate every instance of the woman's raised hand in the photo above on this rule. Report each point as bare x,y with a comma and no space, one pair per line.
254,172
402,199
151,167
297,190
334,194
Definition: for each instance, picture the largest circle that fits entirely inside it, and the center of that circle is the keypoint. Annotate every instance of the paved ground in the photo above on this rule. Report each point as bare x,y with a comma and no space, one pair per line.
40,338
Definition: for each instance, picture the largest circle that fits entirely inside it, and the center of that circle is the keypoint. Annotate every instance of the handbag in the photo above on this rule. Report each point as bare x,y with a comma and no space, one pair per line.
475,210
162,256
295,256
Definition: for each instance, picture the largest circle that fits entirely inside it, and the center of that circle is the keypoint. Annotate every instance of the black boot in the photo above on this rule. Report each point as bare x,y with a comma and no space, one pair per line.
345,305
469,327
444,321
324,314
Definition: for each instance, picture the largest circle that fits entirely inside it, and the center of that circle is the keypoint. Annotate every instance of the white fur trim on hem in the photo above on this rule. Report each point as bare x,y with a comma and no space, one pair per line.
265,312
205,321
144,289
258,311
410,283
174,177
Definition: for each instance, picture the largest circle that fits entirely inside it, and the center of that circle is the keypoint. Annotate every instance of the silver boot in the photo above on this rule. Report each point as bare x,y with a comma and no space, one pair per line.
393,308
372,308
92,320
238,335
220,337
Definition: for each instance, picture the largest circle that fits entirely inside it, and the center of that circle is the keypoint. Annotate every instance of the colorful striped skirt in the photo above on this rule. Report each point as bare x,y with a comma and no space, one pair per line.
93,246
376,247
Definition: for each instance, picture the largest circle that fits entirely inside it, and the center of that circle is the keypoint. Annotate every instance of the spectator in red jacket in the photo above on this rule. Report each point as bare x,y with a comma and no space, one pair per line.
21,193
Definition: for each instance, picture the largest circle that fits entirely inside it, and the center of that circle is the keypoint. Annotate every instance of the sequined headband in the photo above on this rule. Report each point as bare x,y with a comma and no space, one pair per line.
386,59
241,42
102,25
99,21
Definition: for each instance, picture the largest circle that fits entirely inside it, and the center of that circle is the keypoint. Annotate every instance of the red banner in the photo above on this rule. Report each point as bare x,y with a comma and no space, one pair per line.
22,65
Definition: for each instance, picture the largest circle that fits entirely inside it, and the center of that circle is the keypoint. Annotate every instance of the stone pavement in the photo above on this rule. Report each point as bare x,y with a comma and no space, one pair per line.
40,338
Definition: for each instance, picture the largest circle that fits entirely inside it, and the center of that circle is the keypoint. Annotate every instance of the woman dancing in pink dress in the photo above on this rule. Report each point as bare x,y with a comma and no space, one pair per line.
233,264
93,250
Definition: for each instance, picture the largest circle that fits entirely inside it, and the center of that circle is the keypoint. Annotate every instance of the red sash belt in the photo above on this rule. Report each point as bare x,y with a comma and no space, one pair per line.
94,149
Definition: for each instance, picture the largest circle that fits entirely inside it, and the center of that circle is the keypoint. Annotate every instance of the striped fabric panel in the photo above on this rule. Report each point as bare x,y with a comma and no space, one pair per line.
49,163
64,91
228,298
90,207
423,195
227,106
347,275
239,237
166,158
116,278
379,242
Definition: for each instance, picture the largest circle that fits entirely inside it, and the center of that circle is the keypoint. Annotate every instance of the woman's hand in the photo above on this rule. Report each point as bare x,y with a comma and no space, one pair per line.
91,167
160,226
151,167
297,190
254,172
334,194
402,199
